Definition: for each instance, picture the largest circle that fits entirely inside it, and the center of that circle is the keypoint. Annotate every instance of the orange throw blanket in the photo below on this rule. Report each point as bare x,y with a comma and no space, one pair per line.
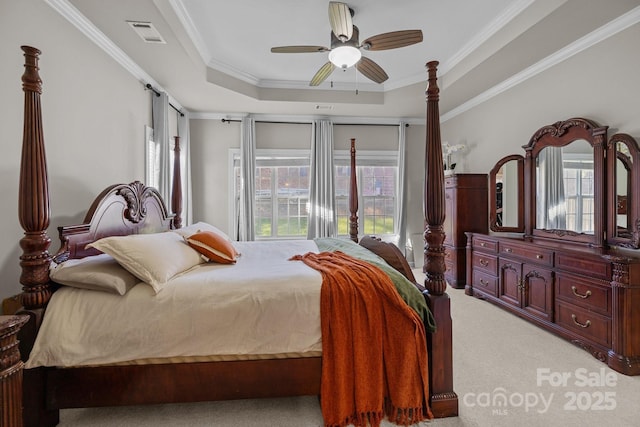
374,351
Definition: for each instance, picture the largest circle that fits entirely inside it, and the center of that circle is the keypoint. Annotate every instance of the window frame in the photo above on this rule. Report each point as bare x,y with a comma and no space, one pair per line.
266,156
342,158
370,158
574,162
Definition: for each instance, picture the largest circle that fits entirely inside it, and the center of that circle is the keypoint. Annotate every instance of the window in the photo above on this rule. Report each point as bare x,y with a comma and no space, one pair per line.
282,193
377,177
578,184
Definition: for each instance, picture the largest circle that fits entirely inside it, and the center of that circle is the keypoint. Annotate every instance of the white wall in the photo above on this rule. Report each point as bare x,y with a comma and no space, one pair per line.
94,114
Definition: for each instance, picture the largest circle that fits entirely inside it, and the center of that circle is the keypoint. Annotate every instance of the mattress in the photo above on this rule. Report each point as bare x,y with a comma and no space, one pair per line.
264,306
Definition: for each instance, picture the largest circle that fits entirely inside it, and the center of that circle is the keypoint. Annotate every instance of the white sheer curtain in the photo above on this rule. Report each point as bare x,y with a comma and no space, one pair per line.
551,207
185,168
161,169
244,227
401,205
322,212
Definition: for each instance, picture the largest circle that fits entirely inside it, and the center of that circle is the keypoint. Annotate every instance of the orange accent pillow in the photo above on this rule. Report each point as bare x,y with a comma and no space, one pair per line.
213,247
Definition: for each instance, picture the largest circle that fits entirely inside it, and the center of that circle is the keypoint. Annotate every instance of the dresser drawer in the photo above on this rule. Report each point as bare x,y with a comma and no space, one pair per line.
485,282
485,244
583,293
485,262
530,253
593,326
595,267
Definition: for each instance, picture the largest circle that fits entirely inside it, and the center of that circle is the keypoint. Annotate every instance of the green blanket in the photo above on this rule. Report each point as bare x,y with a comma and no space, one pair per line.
407,290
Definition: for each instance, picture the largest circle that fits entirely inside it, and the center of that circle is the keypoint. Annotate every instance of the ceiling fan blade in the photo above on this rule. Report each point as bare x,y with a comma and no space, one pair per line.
371,70
322,74
340,20
392,40
299,49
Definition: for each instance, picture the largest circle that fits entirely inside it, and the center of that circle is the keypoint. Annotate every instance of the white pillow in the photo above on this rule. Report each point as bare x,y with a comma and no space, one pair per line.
198,227
153,258
98,273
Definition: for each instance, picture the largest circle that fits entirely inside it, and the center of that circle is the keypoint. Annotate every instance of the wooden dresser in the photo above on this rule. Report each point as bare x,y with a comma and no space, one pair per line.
562,253
466,208
588,296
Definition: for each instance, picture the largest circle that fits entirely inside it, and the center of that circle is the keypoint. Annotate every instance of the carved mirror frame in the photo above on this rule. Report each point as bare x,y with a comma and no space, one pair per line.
631,162
494,212
560,134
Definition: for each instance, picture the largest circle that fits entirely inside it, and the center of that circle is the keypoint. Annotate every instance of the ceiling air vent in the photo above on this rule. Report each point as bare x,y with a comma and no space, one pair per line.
147,31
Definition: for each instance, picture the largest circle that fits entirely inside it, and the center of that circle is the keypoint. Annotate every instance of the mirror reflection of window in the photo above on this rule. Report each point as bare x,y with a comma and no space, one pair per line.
551,206
565,188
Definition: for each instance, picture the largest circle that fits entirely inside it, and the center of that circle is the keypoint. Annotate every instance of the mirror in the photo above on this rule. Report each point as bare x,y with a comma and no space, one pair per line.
506,194
622,154
574,186
565,185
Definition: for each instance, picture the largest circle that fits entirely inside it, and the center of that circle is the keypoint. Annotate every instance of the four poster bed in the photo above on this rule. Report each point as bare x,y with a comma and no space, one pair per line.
133,211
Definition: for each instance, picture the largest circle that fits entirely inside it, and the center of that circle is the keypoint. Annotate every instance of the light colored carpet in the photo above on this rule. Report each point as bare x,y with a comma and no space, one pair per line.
495,354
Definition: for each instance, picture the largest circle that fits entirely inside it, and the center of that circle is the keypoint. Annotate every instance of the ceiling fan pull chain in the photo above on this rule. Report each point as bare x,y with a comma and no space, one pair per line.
356,73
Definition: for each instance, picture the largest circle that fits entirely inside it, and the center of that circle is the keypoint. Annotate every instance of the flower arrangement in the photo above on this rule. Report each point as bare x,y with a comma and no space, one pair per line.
447,151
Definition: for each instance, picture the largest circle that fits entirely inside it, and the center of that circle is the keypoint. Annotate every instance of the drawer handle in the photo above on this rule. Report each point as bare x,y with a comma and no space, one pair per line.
539,256
582,325
508,250
484,263
483,244
484,282
583,296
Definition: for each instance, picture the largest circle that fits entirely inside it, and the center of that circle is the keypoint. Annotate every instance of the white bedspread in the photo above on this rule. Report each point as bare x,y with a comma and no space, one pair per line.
264,304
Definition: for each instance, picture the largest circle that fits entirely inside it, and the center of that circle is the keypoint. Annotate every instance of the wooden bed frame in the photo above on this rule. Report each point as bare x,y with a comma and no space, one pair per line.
125,209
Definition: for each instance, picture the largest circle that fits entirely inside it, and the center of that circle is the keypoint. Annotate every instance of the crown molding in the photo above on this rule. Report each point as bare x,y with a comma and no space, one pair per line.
486,33
190,28
86,27
604,32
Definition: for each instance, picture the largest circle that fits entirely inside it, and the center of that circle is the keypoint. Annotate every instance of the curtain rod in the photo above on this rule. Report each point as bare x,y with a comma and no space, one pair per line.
303,123
148,86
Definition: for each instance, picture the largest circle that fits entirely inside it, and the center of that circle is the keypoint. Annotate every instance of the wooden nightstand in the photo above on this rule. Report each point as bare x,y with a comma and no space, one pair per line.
10,371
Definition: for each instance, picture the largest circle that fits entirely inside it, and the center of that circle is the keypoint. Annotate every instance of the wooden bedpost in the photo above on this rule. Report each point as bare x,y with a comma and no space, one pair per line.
353,195
444,401
176,190
33,213
33,196
434,207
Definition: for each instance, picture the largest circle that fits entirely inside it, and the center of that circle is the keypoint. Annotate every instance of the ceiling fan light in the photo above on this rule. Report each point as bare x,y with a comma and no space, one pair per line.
345,56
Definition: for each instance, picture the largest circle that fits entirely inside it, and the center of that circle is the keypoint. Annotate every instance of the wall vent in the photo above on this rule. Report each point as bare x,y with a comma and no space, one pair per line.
147,32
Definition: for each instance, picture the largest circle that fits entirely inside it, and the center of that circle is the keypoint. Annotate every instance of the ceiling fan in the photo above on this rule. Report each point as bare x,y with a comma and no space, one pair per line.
345,46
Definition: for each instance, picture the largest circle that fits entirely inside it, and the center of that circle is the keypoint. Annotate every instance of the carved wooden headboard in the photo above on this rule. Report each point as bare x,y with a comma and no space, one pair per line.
119,210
